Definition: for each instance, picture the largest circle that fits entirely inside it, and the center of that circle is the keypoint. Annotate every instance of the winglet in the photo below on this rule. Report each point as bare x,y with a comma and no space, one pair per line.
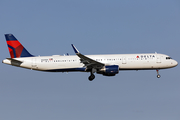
75,49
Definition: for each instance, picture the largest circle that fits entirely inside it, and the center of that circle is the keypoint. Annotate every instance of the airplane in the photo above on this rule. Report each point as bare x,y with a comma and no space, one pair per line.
107,64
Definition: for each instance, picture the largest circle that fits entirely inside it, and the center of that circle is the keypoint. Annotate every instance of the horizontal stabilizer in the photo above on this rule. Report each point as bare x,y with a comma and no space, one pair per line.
11,59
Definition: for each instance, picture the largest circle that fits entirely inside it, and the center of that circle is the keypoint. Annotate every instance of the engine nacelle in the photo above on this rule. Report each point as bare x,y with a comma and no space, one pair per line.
111,70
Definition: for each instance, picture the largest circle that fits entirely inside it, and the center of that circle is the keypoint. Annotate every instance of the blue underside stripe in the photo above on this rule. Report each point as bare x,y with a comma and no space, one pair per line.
67,70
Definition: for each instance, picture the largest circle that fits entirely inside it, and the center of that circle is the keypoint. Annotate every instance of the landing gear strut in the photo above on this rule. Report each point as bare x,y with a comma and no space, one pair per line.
158,75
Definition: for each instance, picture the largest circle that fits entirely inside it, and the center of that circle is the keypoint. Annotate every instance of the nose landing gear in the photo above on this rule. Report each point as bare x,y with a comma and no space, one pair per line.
158,75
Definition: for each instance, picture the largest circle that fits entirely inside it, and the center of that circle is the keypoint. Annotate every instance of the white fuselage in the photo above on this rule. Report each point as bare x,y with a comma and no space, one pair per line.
57,63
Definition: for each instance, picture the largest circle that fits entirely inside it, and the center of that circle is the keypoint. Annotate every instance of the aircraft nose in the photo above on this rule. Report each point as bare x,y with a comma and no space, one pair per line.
175,63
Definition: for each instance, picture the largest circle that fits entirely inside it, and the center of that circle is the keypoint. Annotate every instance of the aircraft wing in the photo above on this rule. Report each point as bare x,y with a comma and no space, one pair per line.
88,62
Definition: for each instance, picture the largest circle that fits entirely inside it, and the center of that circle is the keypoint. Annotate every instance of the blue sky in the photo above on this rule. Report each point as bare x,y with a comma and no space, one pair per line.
95,27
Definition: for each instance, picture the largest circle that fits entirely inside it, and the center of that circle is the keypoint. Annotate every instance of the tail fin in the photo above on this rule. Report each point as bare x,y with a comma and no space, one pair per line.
16,49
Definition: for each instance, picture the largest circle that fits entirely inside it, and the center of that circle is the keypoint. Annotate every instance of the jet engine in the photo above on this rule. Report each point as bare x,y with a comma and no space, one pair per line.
110,70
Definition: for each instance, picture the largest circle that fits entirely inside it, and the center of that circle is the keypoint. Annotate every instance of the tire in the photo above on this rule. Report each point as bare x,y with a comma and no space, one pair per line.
91,77
158,76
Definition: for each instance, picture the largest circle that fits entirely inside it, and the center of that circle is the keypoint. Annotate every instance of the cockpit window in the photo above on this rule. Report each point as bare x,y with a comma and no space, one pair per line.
167,58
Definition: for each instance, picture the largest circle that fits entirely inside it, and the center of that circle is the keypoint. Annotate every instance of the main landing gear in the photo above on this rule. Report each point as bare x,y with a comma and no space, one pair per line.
158,75
92,76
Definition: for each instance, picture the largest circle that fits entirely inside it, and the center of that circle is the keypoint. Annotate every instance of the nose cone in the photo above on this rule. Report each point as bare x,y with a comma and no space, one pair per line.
174,63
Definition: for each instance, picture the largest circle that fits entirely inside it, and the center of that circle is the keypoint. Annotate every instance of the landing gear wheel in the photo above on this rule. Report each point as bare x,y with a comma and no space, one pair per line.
91,77
158,76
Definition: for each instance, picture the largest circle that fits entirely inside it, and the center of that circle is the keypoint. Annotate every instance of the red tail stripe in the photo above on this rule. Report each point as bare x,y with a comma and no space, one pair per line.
14,44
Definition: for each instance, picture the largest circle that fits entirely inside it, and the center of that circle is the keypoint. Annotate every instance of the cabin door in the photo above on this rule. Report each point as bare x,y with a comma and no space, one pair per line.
124,60
158,60
34,65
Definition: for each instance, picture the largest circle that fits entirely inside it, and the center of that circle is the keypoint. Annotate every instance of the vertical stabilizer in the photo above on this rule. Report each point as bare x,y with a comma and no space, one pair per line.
16,49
